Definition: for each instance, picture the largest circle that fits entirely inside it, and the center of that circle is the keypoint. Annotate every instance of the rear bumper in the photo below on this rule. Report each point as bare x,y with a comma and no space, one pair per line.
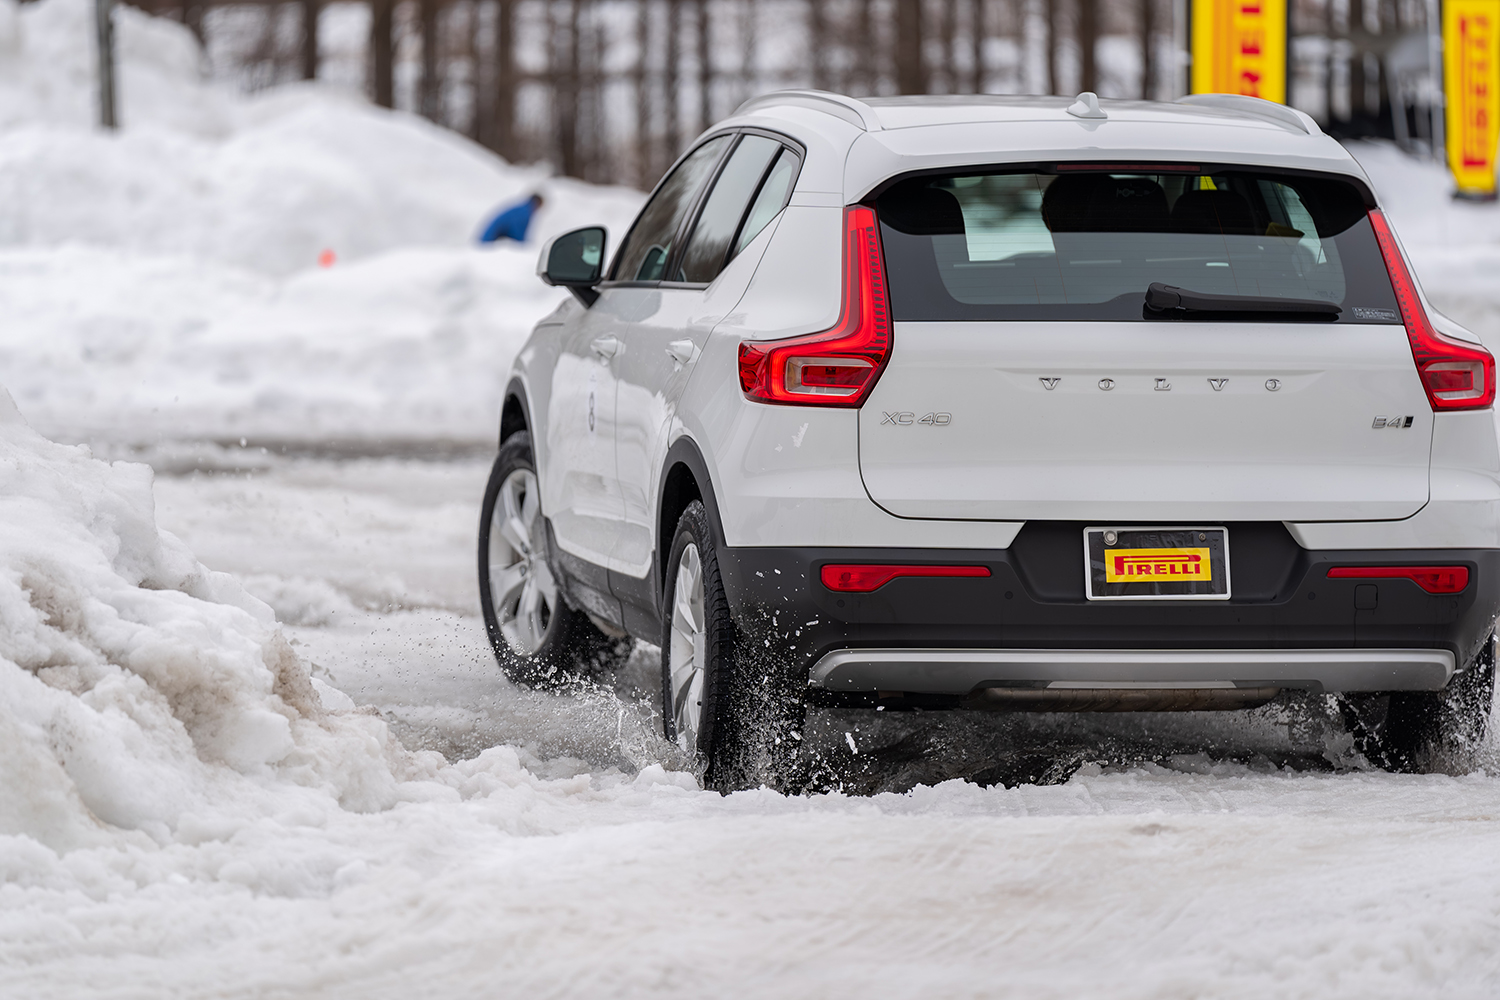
1029,624
962,671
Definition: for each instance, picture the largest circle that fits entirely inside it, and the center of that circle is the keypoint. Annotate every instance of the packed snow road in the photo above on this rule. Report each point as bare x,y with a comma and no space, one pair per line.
558,850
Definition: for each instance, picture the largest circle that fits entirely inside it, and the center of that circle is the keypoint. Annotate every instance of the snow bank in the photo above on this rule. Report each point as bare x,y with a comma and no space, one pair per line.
137,686
162,281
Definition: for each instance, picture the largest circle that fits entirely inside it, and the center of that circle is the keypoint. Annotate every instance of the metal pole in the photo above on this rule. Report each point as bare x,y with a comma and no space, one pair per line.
104,22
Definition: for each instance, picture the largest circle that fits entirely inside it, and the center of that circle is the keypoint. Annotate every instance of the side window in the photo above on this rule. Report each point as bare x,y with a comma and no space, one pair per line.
708,250
643,255
771,199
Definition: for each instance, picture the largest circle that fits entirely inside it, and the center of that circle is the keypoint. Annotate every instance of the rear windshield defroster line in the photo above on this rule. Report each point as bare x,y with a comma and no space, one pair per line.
1087,243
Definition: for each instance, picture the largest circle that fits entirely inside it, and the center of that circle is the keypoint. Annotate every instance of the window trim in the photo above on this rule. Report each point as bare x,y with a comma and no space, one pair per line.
692,212
690,218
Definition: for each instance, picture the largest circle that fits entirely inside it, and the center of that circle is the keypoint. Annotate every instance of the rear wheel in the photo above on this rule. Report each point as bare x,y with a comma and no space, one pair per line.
1424,731
539,640
734,717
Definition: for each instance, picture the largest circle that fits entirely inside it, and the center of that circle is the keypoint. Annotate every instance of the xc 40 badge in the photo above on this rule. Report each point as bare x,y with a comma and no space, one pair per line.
906,418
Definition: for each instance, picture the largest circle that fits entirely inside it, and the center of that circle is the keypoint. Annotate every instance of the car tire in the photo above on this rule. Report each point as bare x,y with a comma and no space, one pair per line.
738,721
539,639
1427,731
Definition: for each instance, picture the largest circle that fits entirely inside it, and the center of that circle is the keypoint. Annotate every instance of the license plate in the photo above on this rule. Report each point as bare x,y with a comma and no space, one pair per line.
1156,564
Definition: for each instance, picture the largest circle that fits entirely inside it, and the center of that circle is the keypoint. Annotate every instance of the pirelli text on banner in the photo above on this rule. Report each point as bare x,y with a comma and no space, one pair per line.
1471,81
1239,47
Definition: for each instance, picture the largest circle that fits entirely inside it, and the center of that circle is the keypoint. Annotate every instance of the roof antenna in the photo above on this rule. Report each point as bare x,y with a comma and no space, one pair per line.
1087,106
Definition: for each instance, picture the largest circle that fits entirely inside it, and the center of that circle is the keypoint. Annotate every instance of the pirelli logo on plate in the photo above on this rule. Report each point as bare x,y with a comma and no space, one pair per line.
1157,565
1142,563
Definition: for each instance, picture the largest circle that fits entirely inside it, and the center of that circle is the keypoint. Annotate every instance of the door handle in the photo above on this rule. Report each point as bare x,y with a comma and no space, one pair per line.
606,347
681,351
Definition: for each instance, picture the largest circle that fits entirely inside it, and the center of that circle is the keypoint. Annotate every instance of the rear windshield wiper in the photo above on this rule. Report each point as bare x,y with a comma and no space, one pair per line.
1171,300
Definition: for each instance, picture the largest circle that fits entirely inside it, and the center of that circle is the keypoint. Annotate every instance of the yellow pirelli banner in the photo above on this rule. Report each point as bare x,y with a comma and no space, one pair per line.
1239,47
1471,82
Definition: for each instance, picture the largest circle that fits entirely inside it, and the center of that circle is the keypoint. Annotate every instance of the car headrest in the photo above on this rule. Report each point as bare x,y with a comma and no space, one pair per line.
1214,212
917,209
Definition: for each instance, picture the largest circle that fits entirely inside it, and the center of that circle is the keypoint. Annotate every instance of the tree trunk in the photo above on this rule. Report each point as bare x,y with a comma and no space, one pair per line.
1052,81
977,34
911,74
382,53
565,88
674,58
949,36
309,39
817,44
705,69
505,79
1357,60
1088,41
428,85
1148,55
645,177
866,73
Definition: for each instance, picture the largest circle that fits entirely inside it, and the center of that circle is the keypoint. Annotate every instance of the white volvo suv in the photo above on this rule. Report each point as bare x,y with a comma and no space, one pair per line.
1002,403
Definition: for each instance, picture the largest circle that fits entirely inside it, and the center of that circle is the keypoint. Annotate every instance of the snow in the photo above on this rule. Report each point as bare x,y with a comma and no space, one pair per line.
162,282
299,773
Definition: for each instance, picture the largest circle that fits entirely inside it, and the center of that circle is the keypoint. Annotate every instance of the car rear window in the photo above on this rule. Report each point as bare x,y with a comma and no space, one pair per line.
1085,243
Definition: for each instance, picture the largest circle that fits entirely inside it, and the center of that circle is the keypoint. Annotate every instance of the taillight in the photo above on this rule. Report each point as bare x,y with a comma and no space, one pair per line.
840,366
861,578
1433,579
1457,375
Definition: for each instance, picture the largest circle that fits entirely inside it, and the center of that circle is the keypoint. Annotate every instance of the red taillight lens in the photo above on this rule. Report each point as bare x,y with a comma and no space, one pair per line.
1457,375
863,578
1433,579
840,366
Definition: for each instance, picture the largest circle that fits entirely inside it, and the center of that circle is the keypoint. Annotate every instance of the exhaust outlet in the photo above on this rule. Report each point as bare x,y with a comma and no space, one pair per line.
1014,699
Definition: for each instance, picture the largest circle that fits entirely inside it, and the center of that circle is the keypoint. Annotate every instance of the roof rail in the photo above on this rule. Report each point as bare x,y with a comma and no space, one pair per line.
856,113
1269,110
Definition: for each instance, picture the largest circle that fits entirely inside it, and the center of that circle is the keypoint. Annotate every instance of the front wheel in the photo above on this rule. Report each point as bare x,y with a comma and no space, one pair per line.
539,640
1422,731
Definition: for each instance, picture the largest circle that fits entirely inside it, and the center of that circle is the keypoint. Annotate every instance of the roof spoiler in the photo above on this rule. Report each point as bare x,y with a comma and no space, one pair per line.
856,113
1280,114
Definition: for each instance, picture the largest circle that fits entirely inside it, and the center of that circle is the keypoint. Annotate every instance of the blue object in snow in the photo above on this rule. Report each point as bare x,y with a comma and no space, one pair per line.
512,223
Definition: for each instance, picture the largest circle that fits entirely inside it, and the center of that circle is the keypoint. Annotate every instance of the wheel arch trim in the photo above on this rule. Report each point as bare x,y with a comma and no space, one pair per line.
683,453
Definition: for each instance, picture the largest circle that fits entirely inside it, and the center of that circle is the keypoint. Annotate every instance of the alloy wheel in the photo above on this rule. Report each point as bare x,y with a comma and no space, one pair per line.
686,657
522,585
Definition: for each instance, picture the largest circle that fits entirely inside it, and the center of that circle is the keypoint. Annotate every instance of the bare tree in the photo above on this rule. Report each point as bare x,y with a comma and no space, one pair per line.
1088,43
504,109
309,39
817,43
977,35
865,76
1052,81
644,176
1148,49
428,85
670,85
564,66
911,73
705,68
382,53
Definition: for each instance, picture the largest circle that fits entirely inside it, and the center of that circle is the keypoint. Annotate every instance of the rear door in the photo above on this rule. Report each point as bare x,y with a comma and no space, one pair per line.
1029,380
665,333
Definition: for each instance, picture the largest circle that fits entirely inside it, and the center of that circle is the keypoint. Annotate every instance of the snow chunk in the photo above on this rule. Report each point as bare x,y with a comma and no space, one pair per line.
136,684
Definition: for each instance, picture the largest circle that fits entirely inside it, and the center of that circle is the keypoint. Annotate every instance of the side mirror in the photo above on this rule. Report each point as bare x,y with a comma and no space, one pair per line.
575,261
